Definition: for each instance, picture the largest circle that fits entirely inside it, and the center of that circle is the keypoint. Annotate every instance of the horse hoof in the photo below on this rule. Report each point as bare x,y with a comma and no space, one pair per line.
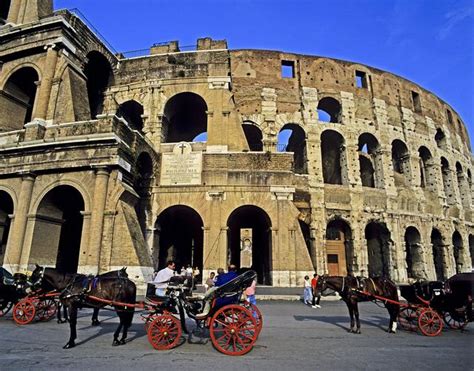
123,342
358,332
69,345
95,323
115,343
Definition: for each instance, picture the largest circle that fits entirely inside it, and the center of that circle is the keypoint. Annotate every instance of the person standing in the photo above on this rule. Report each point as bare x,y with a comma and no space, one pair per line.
316,295
162,278
250,293
307,291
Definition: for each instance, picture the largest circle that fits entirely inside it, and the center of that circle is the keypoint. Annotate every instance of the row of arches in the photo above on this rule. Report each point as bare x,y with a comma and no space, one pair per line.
20,89
419,258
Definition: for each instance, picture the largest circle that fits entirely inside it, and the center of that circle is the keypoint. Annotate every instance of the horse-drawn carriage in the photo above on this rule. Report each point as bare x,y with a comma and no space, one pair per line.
234,325
40,305
431,303
12,289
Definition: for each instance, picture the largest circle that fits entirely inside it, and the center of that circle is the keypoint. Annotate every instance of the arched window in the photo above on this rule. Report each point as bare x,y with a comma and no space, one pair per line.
447,182
333,157
132,111
414,254
440,139
437,245
292,138
185,119
99,74
401,163
329,110
370,165
253,135
458,251
427,175
17,99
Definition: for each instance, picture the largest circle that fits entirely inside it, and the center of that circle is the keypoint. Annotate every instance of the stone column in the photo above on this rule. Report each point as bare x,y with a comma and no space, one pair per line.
41,109
14,11
14,249
97,219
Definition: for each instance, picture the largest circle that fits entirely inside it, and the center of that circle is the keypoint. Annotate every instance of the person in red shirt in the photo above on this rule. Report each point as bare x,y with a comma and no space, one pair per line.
316,298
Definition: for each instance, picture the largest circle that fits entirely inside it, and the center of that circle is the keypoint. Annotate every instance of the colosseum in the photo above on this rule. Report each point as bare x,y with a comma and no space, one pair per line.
282,162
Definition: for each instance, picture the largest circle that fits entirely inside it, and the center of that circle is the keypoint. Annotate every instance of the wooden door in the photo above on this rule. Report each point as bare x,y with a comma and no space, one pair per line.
333,264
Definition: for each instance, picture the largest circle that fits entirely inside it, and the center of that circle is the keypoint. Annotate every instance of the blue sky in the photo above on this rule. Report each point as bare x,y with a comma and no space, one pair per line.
429,42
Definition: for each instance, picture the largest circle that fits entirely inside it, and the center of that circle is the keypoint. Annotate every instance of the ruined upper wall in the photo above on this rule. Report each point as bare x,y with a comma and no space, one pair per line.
253,70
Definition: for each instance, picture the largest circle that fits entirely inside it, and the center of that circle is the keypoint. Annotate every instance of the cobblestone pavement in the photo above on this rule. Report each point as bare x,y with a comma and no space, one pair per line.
294,337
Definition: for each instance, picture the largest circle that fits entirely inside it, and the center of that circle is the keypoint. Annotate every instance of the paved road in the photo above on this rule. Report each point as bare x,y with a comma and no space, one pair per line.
295,337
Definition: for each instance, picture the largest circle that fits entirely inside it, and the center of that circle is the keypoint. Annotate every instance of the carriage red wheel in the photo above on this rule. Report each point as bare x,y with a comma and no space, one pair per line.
408,319
233,330
429,322
46,309
5,307
24,311
454,322
164,332
256,314
148,320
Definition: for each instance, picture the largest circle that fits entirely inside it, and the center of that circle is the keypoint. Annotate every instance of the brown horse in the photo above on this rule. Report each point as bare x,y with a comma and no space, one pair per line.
354,290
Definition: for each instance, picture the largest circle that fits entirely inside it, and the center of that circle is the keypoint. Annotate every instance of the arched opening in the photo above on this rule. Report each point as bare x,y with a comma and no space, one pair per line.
4,10
463,186
447,182
142,185
17,99
292,138
414,254
471,249
131,111
305,230
6,210
333,157
401,163
185,118
370,165
249,241
440,139
458,251
437,246
427,170
329,110
58,229
179,237
379,242
99,74
253,135
339,248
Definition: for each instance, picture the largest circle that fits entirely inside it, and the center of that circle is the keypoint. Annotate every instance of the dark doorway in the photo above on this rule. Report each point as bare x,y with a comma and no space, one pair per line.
339,242
6,209
292,138
414,254
471,249
142,185
179,237
58,229
253,135
99,74
131,111
438,254
378,249
332,155
458,251
4,10
255,219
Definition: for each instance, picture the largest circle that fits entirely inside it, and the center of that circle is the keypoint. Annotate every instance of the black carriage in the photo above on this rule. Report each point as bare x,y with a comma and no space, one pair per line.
12,289
233,326
434,302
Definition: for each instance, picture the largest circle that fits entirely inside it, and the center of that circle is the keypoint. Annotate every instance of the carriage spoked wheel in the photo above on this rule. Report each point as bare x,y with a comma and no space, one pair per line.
430,322
5,307
455,322
164,332
46,309
148,320
233,330
408,319
256,314
24,311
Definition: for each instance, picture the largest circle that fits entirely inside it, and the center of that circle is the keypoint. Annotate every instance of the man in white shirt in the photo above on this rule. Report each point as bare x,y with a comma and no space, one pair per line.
162,278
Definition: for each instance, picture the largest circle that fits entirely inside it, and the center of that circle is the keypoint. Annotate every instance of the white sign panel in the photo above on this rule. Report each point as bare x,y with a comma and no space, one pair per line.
181,167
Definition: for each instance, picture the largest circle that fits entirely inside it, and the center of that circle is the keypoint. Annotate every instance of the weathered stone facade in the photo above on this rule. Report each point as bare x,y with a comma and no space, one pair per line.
101,164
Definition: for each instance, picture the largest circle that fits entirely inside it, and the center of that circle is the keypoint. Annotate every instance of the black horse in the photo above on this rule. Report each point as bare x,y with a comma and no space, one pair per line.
49,279
354,290
111,287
